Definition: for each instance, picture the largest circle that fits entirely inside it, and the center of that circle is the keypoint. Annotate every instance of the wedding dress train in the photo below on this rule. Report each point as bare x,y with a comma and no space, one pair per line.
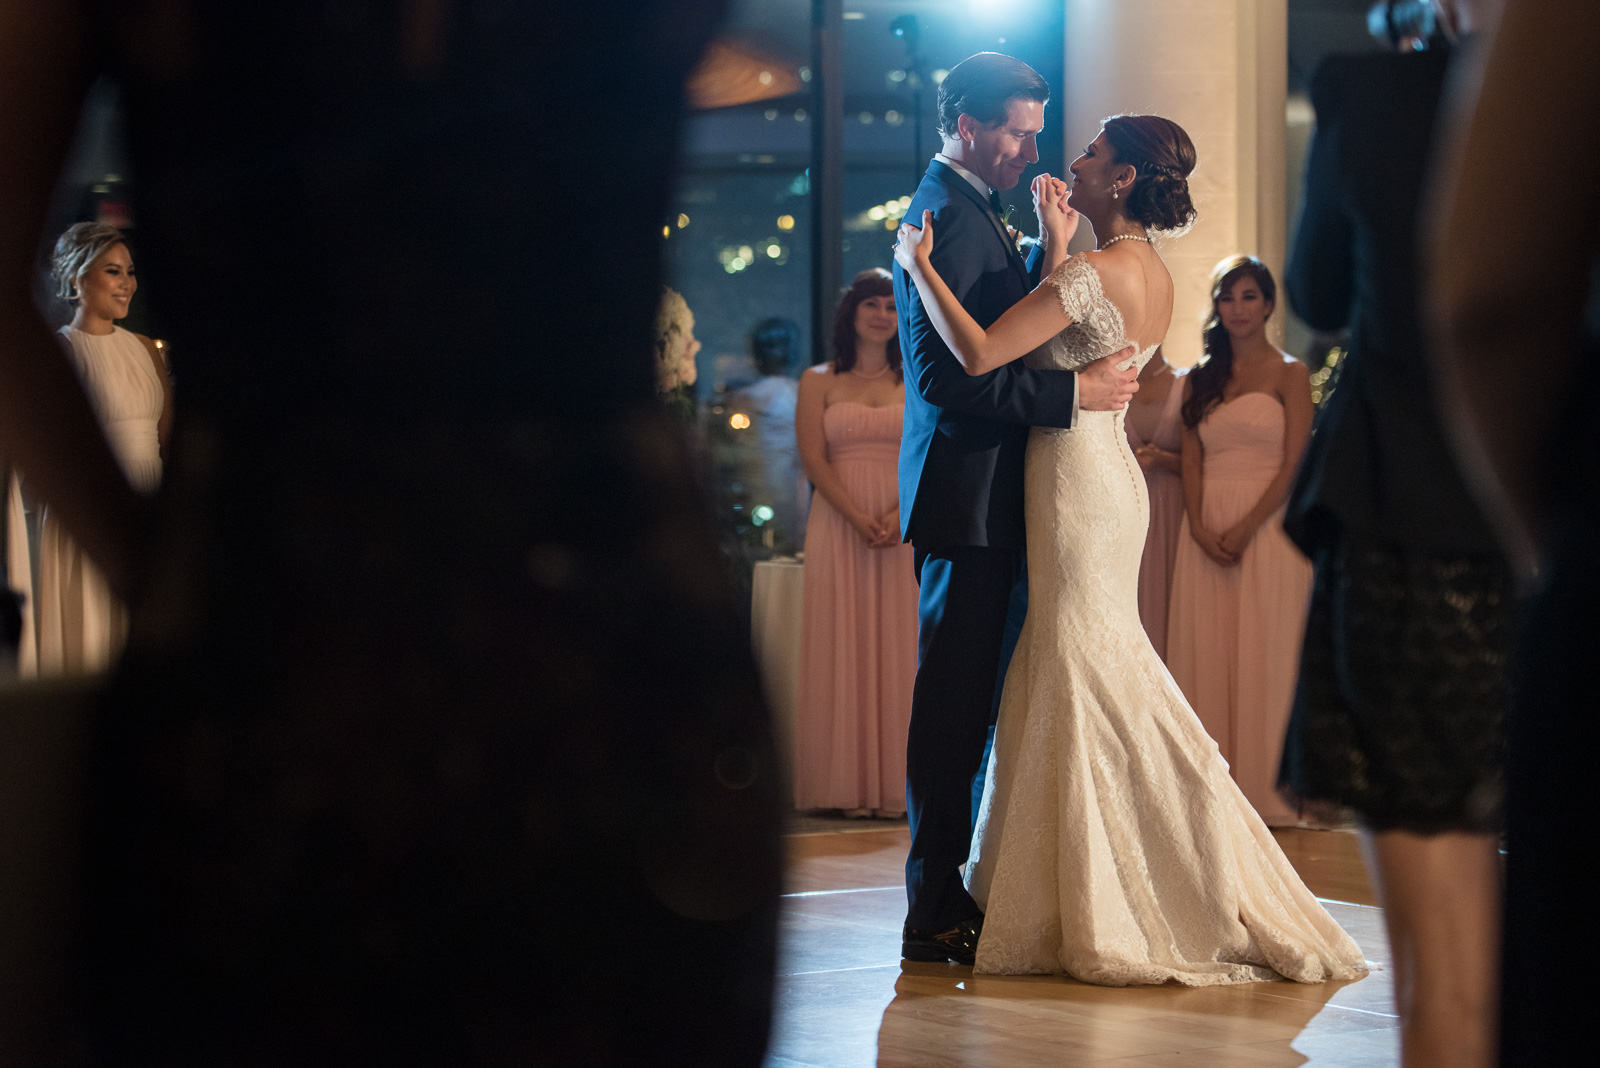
1112,844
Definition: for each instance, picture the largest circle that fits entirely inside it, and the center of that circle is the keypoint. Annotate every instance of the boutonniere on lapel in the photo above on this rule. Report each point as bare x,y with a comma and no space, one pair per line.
1011,231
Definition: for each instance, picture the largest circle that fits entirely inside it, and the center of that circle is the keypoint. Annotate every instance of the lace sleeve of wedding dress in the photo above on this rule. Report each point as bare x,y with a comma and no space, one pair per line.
1097,327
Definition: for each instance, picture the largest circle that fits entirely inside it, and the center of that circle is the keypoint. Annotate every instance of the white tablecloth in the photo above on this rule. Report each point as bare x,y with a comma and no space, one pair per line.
776,604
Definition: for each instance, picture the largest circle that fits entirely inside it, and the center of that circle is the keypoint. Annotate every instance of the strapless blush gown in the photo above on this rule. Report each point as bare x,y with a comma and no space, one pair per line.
1233,633
859,649
1160,425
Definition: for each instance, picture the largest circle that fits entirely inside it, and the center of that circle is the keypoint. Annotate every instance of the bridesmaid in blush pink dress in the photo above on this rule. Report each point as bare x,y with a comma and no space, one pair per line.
859,644
1240,588
1155,433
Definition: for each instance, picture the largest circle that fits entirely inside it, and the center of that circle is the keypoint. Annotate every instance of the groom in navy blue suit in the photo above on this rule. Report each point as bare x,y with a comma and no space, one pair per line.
961,457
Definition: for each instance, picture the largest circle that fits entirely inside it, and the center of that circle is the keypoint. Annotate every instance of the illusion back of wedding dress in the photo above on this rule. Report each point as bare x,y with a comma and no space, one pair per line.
1112,844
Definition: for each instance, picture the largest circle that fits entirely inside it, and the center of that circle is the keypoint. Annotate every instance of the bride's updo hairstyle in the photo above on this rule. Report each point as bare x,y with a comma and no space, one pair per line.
1162,154
77,249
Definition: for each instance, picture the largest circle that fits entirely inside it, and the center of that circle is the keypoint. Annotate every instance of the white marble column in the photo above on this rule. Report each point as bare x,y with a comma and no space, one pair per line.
1219,69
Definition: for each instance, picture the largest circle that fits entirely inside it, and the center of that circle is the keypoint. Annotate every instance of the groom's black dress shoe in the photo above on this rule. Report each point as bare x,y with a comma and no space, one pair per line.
958,944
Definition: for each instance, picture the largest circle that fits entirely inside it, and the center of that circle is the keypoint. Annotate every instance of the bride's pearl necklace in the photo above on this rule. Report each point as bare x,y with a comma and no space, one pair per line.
1127,237
879,373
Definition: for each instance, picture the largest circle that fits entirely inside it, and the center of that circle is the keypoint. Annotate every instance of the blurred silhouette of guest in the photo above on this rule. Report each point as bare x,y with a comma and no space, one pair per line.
1519,307
1239,587
435,710
1155,433
16,609
770,403
81,624
859,638
1403,688
1402,25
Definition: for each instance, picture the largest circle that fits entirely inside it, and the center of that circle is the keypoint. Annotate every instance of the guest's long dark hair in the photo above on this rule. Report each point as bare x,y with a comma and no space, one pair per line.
872,282
1209,380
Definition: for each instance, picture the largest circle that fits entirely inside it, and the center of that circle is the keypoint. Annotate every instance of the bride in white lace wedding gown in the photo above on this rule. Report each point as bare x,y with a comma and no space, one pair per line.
1112,843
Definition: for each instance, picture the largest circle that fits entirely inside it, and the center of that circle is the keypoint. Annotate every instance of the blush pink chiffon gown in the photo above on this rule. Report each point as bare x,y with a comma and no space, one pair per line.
859,644
1233,633
1160,425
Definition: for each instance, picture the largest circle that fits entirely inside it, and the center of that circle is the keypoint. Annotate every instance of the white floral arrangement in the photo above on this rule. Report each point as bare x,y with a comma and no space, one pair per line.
675,342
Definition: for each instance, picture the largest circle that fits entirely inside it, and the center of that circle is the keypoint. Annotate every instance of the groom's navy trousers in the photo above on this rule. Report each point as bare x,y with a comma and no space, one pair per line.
961,461
971,603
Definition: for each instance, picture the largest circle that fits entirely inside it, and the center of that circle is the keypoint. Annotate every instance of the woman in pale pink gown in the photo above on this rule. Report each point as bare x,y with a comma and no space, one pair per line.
1240,588
1155,433
859,644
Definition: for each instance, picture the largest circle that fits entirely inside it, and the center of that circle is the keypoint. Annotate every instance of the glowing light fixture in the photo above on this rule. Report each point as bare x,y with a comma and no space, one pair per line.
739,421
731,73
786,222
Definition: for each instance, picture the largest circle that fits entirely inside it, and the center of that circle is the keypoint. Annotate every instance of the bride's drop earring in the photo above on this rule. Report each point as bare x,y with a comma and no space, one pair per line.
1113,192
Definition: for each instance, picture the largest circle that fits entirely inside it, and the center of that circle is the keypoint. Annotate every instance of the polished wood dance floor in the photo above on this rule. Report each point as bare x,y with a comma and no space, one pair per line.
846,1000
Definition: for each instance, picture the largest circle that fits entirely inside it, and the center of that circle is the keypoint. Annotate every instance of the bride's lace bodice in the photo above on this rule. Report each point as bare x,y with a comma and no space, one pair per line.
1097,327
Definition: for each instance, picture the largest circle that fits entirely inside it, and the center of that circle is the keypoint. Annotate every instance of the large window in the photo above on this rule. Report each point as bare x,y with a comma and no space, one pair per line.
753,241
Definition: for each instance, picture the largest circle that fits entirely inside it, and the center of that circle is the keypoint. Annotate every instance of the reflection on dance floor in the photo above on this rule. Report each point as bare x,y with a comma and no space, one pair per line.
845,999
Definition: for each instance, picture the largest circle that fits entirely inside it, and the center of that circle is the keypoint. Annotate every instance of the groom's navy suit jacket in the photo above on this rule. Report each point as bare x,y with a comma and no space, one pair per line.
962,446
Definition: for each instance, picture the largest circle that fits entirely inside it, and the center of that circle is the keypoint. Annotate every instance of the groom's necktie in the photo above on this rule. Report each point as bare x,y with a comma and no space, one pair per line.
994,202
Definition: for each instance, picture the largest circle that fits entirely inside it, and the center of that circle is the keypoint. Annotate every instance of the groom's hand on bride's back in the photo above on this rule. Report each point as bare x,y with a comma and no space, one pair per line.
1103,386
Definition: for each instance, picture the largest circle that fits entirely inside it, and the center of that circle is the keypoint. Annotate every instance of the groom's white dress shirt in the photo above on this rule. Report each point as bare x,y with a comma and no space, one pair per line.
977,183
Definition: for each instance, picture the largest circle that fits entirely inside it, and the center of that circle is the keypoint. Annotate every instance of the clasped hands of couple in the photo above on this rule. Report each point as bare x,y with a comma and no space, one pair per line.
1107,384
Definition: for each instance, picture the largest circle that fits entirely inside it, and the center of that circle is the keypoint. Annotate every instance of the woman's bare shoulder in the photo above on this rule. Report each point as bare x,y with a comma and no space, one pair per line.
1294,377
818,380
1121,277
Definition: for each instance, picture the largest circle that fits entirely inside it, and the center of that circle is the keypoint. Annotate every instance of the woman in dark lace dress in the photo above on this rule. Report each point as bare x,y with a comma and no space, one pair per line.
436,736
1403,686
1404,680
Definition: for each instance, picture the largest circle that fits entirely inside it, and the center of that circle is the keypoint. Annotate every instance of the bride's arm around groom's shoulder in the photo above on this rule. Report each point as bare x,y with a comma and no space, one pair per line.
1028,324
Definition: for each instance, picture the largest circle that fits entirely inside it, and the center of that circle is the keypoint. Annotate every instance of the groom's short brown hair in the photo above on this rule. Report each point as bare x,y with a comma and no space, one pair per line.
981,85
